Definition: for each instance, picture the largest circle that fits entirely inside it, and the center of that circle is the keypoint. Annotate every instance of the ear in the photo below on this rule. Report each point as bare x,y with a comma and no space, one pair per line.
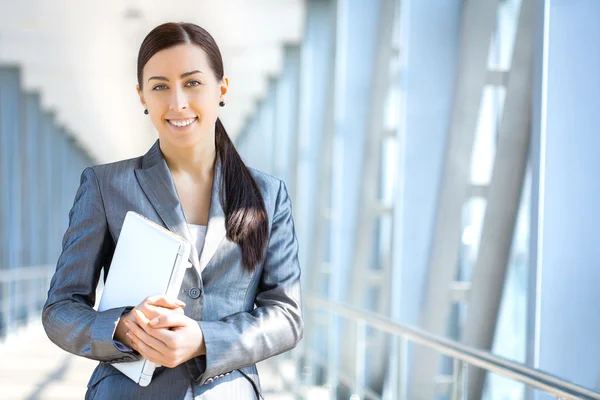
224,86
139,92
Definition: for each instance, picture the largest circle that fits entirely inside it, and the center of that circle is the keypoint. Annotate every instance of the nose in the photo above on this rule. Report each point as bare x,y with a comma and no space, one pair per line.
178,100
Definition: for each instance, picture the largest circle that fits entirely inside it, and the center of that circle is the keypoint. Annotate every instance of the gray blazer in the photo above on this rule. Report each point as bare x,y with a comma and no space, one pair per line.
246,317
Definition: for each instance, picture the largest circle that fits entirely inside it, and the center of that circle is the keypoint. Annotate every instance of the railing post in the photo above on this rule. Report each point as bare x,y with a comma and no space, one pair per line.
360,359
459,387
4,307
402,368
333,355
32,312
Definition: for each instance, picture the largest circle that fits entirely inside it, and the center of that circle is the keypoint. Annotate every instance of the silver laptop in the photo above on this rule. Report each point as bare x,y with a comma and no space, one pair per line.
149,260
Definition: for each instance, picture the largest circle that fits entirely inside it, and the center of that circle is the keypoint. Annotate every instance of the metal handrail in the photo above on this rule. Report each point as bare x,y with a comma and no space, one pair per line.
479,358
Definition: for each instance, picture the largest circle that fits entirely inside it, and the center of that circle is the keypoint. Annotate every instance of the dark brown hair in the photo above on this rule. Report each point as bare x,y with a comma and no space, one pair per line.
245,212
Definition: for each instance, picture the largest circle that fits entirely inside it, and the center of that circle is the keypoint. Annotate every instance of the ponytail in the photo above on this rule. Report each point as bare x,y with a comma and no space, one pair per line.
246,218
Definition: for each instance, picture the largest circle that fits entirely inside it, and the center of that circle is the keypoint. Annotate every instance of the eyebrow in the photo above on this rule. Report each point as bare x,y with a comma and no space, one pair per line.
184,75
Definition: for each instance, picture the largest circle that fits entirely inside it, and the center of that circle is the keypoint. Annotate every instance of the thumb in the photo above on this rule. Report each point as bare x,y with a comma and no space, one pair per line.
164,301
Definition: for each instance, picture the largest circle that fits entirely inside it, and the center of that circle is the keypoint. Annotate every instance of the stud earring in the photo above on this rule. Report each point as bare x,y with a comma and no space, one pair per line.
222,103
146,112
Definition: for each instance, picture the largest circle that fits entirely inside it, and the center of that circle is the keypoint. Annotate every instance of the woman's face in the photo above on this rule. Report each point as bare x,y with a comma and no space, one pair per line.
181,94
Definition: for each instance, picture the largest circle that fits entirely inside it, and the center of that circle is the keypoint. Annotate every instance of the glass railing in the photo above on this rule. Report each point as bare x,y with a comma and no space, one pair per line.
23,292
340,343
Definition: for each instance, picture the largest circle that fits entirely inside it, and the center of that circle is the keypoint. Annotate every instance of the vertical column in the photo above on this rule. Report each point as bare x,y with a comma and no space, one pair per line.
286,119
267,128
67,164
565,257
255,144
314,110
429,35
74,168
357,36
56,183
313,171
46,186
10,109
31,178
29,159
249,138
355,53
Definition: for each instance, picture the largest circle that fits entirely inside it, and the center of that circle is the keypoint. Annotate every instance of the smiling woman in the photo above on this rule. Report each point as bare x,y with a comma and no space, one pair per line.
241,302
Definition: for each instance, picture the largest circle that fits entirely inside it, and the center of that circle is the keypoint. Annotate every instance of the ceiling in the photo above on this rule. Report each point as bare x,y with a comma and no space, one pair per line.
81,57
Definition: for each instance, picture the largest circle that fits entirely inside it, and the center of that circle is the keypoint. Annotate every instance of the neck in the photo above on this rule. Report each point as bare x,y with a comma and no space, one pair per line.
197,160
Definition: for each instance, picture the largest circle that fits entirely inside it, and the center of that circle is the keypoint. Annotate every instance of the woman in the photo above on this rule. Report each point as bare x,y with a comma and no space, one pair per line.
240,304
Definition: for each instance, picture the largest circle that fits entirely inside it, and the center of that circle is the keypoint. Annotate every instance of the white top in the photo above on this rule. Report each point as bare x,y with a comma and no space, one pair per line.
198,233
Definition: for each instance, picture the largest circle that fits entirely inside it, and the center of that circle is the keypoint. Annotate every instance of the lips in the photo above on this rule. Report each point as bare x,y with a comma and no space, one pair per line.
182,123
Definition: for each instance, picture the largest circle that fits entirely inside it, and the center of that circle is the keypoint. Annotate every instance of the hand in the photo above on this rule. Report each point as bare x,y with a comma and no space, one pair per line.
152,307
168,340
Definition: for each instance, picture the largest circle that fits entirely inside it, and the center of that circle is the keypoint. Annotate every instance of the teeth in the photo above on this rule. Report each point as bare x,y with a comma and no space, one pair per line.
182,123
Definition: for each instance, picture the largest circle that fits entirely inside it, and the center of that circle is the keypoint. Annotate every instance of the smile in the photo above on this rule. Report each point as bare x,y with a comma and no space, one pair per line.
182,122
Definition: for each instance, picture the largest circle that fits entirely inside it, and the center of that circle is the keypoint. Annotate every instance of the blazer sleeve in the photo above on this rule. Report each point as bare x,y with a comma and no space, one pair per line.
68,315
276,324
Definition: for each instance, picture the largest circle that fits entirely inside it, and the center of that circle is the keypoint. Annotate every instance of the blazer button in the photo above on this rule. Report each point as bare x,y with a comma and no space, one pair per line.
194,292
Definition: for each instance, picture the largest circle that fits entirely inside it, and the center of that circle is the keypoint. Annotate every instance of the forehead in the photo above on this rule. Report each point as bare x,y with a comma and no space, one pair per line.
177,60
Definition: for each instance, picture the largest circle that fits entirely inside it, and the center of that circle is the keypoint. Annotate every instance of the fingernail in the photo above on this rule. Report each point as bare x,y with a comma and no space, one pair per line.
128,334
154,321
181,303
126,323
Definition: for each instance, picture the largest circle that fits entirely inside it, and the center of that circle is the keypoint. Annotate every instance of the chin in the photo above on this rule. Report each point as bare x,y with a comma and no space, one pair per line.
181,140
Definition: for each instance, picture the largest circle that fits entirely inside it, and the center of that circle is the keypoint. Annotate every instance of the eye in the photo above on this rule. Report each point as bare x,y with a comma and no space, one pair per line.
193,83
159,87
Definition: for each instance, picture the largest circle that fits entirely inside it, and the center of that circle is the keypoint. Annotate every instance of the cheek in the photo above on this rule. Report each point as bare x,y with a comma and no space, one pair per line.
205,106
156,103
206,99
157,120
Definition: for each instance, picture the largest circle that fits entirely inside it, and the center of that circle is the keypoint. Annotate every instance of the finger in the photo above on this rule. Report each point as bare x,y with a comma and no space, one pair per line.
172,320
179,310
148,339
164,301
152,311
126,327
128,316
141,318
144,349
164,335
161,314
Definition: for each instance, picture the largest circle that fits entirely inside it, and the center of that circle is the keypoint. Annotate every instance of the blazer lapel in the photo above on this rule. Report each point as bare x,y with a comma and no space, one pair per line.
216,231
157,183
